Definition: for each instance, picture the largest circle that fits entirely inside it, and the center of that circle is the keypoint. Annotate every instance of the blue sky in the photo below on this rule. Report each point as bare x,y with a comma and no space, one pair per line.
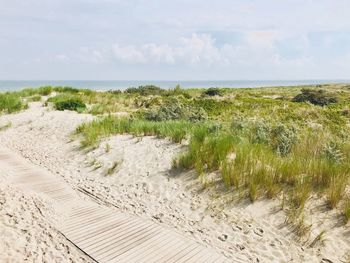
172,40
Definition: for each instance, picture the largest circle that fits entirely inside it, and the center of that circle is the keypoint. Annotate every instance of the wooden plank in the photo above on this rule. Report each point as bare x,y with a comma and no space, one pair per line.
182,253
89,221
191,254
156,243
93,234
102,233
170,251
132,242
115,236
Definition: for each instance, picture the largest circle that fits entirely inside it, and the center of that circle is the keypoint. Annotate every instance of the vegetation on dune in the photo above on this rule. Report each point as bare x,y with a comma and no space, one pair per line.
146,90
176,110
10,103
347,210
34,98
263,142
213,92
316,97
151,90
285,141
67,102
42,91
92,132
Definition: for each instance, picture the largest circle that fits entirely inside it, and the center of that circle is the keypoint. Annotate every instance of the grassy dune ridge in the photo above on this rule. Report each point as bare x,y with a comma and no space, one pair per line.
265,142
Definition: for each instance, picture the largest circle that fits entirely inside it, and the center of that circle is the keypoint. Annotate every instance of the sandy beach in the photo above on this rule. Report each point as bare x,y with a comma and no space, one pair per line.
175,131
142,183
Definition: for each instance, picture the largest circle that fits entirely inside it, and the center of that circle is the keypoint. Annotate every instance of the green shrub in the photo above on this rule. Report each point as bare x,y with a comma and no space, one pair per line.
146,90
316,97
239,124
213,92
115,91
167,112
175,110
177,91
197,114
67,102
283,138
261,132
213,107
66,90
332,152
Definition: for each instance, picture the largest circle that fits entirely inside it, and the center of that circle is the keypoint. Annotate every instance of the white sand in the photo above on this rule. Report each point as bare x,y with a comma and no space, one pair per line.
27,233
144,184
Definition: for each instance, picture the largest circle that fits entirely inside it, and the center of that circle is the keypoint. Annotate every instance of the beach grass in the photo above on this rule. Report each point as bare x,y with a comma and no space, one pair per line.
10,103
111,125
263,142
346,210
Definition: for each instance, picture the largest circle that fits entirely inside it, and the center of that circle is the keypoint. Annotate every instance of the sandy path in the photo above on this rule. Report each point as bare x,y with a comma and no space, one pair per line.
101,232
144,184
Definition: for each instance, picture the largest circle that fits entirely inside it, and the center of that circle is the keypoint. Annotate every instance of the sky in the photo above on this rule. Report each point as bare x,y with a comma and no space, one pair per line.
174,40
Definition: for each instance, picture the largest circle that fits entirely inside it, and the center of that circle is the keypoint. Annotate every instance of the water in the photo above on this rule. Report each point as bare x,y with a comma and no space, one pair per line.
11,85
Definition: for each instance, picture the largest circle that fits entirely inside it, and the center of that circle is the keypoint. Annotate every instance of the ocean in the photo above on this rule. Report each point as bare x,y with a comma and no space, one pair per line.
11,85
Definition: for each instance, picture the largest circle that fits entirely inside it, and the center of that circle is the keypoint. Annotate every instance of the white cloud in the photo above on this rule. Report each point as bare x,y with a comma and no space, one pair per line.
201,49
128,54
159,53
262,38
90,55
176,39
193,50
62,58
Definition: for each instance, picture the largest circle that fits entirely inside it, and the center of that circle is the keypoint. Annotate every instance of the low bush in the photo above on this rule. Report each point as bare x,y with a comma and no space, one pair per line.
332,152
115,91
177,91
167,112
283,138
146,90
211,106
68,102
175,110
66,89
316,97
213,92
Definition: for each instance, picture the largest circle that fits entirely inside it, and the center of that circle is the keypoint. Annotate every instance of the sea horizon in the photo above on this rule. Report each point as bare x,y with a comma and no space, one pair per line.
13,85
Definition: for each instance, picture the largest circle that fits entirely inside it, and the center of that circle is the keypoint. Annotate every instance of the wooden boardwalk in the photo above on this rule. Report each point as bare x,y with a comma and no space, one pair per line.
100,232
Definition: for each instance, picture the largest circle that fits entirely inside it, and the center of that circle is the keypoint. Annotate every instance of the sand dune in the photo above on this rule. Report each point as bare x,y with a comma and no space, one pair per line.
143,184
